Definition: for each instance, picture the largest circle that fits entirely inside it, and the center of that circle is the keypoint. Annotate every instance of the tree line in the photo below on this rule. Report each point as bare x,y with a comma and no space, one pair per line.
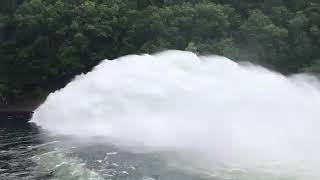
46,42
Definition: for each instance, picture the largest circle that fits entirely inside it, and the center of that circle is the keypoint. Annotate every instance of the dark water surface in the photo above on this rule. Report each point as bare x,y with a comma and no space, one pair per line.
27,152
16,140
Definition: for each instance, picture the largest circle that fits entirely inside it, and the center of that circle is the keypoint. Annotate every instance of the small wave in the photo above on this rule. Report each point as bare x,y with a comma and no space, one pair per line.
56,165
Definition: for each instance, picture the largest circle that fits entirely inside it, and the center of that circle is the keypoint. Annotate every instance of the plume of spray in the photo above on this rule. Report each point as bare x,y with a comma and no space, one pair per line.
210,105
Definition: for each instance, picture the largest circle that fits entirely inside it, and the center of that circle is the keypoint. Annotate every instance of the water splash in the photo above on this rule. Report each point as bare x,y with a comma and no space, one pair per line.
211,106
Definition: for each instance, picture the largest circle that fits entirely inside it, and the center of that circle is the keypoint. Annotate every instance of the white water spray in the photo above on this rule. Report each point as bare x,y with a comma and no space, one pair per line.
178,100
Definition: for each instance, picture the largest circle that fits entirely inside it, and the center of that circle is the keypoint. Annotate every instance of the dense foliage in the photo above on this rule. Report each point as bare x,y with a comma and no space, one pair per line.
47,41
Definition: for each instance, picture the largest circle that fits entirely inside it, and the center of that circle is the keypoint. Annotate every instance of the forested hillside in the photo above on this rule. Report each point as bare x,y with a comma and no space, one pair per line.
43,43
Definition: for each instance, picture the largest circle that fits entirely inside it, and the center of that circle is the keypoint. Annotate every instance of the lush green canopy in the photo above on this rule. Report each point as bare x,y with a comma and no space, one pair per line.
48,41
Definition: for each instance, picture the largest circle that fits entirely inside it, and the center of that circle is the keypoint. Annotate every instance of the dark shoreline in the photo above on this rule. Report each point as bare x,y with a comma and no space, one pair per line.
17,113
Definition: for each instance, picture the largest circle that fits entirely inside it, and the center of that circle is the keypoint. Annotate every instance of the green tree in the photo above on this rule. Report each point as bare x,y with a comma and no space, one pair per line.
49,41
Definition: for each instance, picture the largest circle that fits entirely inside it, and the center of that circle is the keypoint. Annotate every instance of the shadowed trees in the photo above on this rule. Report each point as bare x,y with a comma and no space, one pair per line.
49,41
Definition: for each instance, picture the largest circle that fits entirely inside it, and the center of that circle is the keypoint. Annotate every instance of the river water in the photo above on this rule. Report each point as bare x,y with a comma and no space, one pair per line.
28,152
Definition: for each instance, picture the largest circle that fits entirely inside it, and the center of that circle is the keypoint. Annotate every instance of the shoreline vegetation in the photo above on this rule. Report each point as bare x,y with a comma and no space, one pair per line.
45,43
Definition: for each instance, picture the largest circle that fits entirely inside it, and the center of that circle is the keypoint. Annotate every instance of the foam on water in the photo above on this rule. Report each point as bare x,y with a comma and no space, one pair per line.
225,111
58,166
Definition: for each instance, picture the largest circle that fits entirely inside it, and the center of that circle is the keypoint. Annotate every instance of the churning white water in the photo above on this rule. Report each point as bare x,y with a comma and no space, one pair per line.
209,106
